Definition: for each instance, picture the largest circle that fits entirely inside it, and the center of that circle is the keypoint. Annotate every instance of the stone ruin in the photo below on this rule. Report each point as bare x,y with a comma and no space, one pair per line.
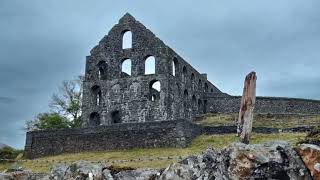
111,95
138,107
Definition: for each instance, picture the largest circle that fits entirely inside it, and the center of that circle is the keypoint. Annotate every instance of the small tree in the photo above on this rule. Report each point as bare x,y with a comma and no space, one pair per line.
9,153
65,108
48,121
68,101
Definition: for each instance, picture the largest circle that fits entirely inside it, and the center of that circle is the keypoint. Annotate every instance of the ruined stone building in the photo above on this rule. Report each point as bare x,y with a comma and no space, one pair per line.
113,96
138,107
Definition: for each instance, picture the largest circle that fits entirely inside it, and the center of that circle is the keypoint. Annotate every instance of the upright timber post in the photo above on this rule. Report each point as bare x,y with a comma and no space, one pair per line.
246,108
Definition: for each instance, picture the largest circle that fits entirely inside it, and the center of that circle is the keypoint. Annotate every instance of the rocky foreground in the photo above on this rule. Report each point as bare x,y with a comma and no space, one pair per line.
272,160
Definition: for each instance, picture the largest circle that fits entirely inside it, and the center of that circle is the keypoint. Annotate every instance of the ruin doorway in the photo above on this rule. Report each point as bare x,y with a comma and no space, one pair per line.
94,119
115,117
205,103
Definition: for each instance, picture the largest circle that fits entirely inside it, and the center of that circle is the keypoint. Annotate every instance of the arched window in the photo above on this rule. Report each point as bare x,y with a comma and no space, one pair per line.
205,103
206,87
102,69
97,97
115,117
184,73
175,66
127,40
94,119
150,65
155,88
178,89
192,78
211,90
100,73
199,106
194,101
153,97
185,94
126,68
186,105
200,84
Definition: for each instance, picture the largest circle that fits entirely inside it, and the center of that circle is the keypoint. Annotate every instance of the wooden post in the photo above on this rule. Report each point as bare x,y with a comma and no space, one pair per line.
248,101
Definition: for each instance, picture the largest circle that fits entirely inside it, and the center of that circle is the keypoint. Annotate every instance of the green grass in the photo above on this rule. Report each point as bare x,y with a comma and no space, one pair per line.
262,120
197,146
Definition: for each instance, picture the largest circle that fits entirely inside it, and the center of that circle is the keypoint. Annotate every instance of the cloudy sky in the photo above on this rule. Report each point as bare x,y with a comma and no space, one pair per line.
43,43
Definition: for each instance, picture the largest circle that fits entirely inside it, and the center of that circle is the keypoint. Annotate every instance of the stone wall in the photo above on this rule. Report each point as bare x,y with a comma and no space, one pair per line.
177,133
210,130
107,90
272,105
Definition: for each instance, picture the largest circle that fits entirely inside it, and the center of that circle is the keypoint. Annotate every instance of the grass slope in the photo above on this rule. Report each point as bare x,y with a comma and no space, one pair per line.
263,120
198,145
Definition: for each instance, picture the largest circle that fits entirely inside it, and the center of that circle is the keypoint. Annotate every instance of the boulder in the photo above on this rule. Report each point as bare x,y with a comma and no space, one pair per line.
106,174
138,174
310,155
80,170
272,160
209,165
58,171
23,175
5,176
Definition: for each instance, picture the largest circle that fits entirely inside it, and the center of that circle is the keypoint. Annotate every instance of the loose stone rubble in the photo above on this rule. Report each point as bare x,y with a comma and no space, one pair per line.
271,160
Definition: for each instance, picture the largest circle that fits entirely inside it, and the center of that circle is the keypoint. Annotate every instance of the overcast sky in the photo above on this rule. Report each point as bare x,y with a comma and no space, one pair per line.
43,43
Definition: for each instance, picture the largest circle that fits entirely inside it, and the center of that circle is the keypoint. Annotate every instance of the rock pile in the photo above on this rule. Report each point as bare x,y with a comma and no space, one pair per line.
272,160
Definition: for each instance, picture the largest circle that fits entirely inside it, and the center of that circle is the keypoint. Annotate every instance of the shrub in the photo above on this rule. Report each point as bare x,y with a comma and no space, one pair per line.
9,153
313,137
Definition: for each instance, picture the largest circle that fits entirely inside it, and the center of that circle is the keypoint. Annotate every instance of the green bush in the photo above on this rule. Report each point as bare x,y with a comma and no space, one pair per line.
9,153
314,136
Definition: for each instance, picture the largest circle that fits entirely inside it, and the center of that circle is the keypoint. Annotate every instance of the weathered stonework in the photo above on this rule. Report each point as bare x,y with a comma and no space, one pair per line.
272,105
182,93
121,110
177,133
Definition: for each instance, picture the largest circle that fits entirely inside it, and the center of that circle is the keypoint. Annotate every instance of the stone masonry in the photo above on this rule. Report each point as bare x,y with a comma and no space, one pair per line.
112,96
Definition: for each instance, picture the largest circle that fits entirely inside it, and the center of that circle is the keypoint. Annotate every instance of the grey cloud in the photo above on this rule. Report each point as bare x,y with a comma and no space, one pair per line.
6,100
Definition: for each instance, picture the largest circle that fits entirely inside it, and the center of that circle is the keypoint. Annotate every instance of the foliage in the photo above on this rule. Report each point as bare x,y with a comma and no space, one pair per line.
48,121
116,169
68,101
9,153
65,108
313,137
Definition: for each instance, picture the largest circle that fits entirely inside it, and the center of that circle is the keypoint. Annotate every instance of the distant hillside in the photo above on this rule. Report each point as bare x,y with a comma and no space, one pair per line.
3,145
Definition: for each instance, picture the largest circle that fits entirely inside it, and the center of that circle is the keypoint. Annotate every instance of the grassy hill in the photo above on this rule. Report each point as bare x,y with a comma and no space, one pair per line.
3,145
280,121
162,157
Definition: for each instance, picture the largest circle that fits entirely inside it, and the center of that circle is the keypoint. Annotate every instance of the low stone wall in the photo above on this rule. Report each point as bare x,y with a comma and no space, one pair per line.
272,105
210,130
177,133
